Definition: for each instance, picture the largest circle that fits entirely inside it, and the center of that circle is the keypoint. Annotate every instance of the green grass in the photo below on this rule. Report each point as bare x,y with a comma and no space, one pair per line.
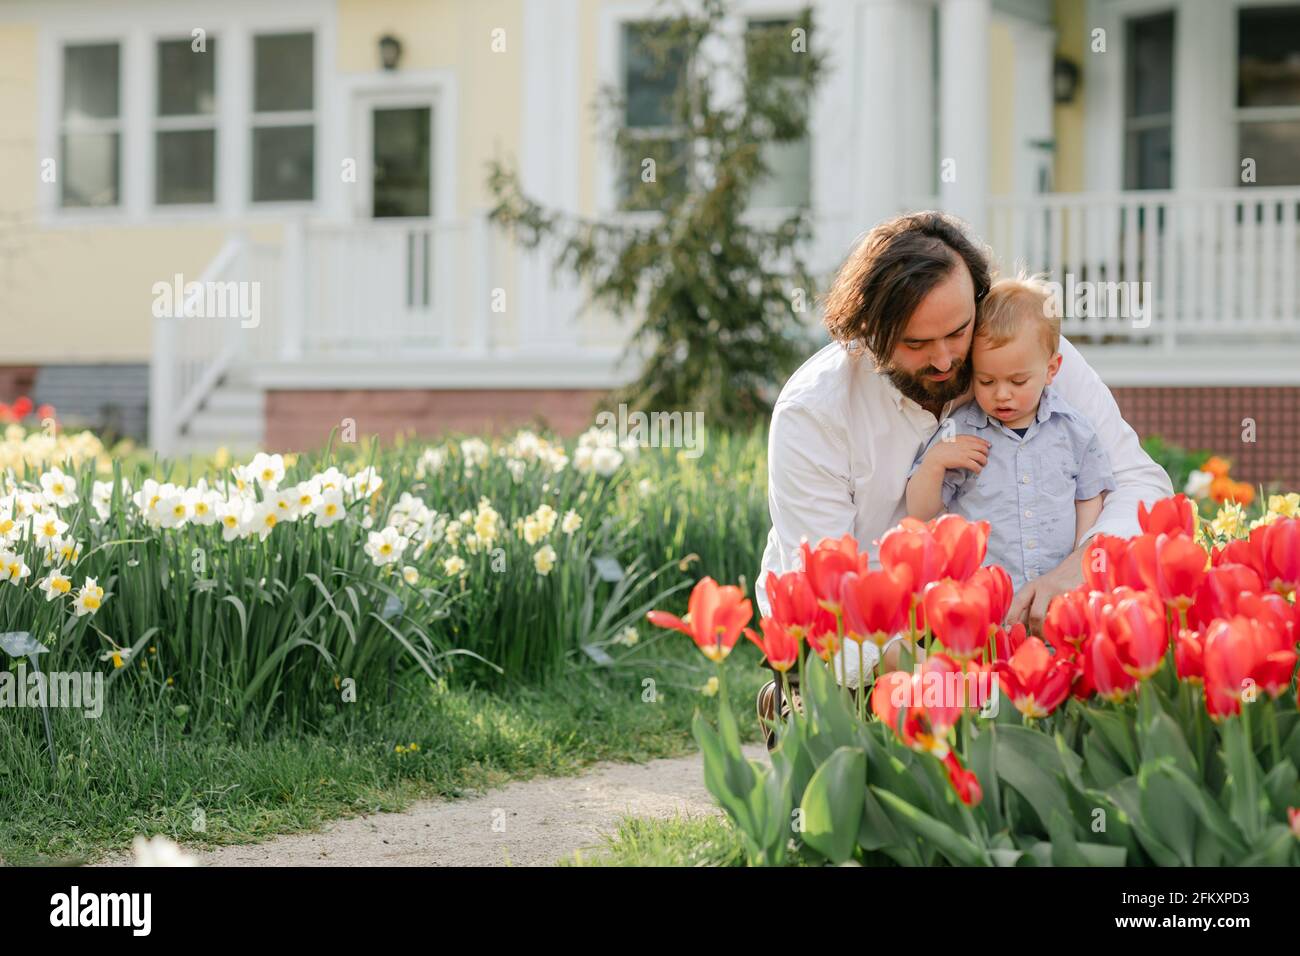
133,771
680,841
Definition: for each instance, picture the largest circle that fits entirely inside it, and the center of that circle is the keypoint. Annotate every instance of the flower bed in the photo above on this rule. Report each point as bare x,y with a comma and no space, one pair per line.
1154,722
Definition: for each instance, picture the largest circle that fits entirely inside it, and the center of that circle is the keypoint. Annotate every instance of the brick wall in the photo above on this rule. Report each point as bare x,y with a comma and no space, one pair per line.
15,381
1211,418
301,420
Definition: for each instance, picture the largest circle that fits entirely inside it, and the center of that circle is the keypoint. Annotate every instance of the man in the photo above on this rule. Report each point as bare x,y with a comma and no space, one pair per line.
849,423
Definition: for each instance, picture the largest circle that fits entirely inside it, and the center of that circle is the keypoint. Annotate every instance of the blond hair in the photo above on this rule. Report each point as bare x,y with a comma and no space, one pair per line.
1013,302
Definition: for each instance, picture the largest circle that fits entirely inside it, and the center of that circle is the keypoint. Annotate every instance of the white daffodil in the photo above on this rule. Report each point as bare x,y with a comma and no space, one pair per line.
12,567
365,483
454,565
305,496
267,470
475,452
410,575
544,560
329,508
47,528
263,520
385,547
173,511
202,506
118,655
55,584
160,851
59,489
9,527
89,599
233,518
63,551
571,523
606,461
286,504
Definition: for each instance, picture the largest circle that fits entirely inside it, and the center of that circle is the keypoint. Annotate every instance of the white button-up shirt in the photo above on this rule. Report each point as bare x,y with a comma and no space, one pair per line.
843,438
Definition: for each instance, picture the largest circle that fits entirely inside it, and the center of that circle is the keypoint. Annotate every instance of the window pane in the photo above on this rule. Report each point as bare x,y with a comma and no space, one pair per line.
1275,147
773,41
1151,65
283,72
652,73
790,181
185,78
1268,57
184,167
90,169
401,185
1149,159
283,163
90,82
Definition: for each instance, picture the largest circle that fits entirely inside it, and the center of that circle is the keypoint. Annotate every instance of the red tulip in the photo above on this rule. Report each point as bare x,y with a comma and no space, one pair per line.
1172,567
1105,563
1037,682
963,542
714,619
1279,550
779,646
1008,640
964,782
958,614
1241,551
22,407
912,544
1066,621
929,713
1103,670
45,411
1189,656
1137,625
1225,585
827,565
6,413
875,603
1293,820
995,580
1176,515
1242,652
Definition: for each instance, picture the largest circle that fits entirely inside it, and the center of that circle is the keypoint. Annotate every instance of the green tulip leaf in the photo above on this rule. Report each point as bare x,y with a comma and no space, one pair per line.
956,848
833,804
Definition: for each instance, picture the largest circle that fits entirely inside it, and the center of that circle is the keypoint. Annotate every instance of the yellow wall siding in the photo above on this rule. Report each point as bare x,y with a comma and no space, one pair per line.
78,292
1072,41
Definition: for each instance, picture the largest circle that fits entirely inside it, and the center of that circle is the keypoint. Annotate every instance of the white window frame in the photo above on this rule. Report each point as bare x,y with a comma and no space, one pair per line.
268,120
1255,114
192,122
53,126
234,23
767,12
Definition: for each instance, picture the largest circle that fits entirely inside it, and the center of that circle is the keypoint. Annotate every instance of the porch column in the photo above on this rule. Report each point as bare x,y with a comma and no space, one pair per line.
547,303
964,108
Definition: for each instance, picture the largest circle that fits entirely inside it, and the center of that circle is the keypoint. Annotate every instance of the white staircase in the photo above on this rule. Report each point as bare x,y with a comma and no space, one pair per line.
233,416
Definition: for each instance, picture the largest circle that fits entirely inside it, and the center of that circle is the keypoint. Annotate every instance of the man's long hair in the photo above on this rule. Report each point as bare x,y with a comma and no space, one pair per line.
892,269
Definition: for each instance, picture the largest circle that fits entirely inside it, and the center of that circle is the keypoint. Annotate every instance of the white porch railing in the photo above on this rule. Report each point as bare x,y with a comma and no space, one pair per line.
1220,264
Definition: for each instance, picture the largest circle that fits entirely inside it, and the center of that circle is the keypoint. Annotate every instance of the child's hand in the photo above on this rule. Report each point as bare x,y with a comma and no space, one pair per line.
963,451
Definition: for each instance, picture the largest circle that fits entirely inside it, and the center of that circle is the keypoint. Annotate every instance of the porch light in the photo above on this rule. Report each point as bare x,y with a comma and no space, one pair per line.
390,51
1065,79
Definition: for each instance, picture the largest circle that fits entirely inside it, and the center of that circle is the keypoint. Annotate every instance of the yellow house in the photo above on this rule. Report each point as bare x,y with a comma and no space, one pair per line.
260,220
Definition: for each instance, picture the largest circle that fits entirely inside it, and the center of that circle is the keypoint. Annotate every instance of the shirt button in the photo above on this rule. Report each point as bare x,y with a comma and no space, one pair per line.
1028,513
1025,479
1029,543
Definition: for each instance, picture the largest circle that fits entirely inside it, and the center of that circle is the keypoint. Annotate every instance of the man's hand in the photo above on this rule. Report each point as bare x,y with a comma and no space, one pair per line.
1030,603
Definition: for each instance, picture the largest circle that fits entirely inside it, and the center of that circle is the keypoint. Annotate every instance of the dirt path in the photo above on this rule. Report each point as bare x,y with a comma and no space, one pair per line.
529,823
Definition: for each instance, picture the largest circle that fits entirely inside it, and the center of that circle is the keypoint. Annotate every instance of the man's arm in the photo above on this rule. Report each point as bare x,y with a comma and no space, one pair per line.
809,488
1137,477
1086,513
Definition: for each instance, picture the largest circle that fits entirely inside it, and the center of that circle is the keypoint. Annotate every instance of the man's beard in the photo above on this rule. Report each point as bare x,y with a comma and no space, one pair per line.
923,391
